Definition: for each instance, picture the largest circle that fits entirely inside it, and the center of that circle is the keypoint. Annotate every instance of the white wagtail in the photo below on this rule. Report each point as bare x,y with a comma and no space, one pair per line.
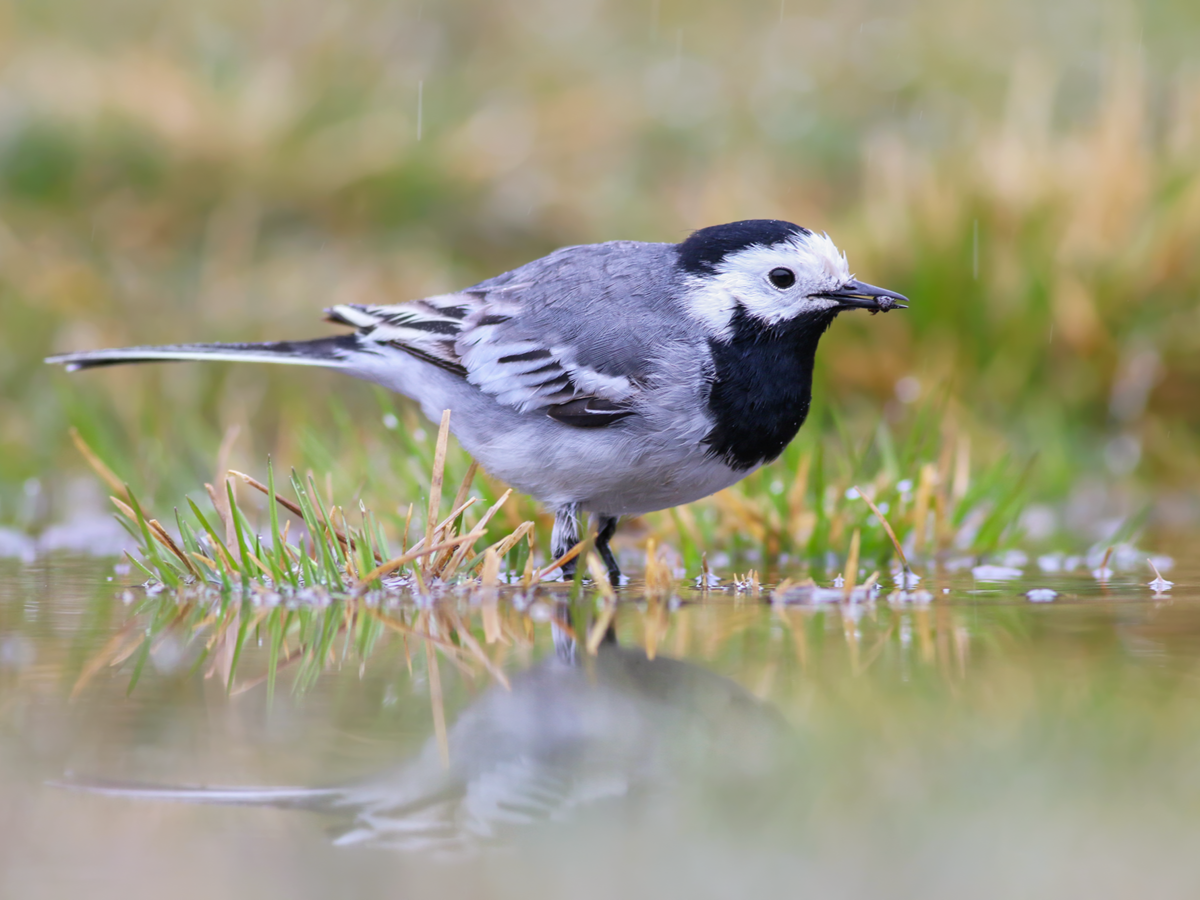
614,379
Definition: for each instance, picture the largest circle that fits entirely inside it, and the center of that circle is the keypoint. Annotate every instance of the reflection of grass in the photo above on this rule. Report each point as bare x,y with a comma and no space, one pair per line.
305,633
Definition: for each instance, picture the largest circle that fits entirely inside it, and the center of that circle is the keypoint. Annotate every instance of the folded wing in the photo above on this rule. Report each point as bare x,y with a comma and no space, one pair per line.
572,334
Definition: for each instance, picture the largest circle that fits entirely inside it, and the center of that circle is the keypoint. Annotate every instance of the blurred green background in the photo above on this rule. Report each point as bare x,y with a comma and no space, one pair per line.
1026,172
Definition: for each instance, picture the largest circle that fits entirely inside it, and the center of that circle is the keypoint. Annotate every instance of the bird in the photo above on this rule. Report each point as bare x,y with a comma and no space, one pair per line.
612,379
572,736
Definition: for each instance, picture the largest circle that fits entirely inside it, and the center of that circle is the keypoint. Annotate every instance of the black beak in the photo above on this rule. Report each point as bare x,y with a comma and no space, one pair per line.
857,295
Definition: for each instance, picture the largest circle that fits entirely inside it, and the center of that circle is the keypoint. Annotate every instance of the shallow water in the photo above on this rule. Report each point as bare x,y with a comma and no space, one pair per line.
978,745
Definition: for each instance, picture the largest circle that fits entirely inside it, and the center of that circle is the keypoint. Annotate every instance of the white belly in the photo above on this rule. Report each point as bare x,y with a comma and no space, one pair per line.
610,471
633,467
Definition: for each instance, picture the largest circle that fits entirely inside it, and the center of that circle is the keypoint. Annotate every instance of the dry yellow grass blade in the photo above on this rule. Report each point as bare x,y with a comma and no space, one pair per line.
654,625
289,658
407,526
659,579
797,625
489,575
886,526
444,524
600,627
561,620
489,580
604,620
465,487
599,575
204,560
439,474
738,513
106,474
962,467
505,545
468,640
118,648
392,565
480,529
561,561
795,494
460,503
159,533
406,631
166,540
259,486
851,564
876,649
219,504
435,698
262,567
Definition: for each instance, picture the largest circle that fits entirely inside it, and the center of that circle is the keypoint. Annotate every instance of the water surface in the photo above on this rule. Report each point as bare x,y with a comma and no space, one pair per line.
976,745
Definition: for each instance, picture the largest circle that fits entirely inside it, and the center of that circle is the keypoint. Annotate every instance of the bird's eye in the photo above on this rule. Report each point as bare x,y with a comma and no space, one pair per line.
782,278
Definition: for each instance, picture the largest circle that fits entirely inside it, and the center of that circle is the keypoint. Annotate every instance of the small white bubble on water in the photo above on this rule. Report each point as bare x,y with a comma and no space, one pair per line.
996,573
1050,562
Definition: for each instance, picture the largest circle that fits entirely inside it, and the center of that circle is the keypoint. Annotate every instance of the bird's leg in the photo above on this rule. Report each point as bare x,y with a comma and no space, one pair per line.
562,631
567,636
607,528
565,535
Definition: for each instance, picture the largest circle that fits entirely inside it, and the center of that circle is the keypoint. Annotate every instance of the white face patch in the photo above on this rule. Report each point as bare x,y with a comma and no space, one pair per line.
743,278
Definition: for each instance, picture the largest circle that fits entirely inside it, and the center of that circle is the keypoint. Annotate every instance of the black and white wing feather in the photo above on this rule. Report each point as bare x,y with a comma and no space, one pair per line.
574,334
426,328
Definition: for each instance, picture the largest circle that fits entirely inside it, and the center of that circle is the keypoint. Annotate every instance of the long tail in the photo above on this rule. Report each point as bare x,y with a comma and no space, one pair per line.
294,797
333,352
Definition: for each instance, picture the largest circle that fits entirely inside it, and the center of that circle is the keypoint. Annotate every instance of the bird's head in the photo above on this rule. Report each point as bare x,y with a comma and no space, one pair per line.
775,271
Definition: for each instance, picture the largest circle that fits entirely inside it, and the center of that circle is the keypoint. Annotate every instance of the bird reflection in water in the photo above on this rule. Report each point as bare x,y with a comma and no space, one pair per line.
612,737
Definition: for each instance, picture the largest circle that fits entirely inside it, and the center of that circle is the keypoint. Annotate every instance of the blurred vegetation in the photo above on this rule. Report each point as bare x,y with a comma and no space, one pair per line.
1026,172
